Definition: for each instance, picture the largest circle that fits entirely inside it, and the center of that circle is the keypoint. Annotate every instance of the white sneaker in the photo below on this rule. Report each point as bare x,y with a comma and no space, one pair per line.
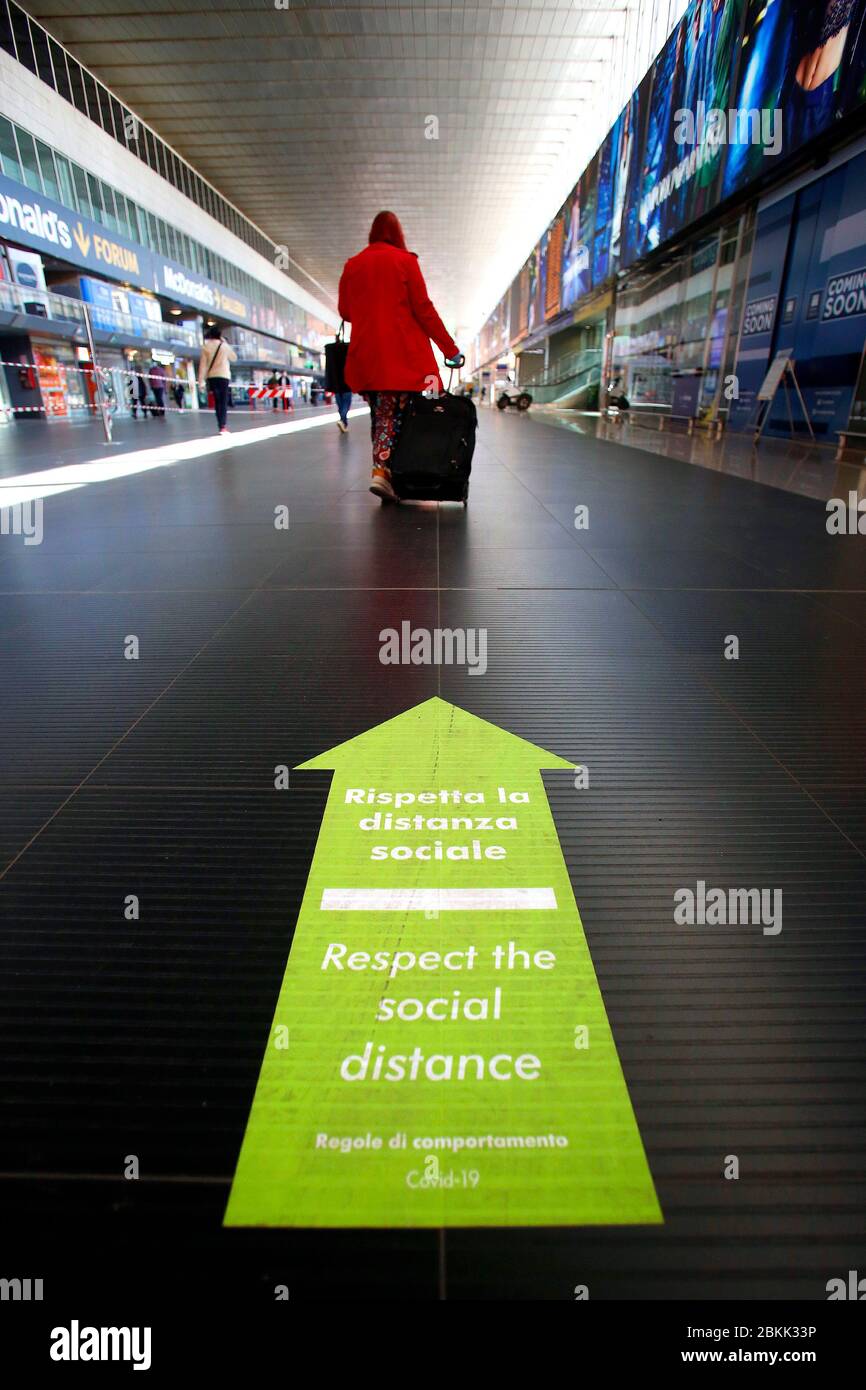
225,431
342,427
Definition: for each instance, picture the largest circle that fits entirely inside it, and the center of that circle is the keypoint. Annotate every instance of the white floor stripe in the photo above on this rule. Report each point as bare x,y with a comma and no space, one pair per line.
27,487
437,899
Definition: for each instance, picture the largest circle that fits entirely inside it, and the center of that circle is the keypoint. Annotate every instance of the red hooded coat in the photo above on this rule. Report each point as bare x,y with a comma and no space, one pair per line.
383,296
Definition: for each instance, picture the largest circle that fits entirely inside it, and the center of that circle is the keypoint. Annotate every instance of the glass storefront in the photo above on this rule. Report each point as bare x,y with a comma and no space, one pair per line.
59,178
62,381
682,316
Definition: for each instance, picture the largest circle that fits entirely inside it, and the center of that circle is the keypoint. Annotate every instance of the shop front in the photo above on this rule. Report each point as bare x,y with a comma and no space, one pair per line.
44,378
806,300
679,319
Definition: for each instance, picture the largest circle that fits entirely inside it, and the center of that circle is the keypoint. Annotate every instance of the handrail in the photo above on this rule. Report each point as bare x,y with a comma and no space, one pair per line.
573,364
586,380
60,306
16,298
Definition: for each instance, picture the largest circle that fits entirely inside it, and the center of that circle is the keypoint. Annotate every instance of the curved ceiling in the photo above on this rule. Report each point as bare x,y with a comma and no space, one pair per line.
470,120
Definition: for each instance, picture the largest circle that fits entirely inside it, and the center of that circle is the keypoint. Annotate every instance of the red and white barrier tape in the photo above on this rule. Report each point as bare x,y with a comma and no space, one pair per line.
123,410
100,371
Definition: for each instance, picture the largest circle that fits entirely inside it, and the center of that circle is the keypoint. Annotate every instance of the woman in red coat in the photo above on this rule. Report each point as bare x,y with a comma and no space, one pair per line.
383,296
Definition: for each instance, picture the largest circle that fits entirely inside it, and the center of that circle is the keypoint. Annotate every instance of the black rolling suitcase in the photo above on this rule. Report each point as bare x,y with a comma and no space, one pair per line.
432,458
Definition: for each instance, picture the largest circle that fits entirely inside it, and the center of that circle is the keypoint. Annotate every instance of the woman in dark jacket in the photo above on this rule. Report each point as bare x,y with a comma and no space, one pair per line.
383,296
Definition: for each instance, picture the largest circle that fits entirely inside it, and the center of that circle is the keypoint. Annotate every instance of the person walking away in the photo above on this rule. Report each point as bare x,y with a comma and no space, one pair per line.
383,295
344,405
288,397
157,386
273,382
214,372
178,393
142,393
132,396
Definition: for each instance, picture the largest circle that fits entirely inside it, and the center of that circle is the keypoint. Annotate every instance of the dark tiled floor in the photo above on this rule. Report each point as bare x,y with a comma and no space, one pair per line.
258,647
29,445
793,465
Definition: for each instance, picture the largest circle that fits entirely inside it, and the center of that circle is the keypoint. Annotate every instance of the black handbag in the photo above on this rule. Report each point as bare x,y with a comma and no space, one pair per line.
335,363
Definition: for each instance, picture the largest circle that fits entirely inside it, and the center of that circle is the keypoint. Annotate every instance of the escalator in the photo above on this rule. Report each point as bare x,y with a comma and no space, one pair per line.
572,383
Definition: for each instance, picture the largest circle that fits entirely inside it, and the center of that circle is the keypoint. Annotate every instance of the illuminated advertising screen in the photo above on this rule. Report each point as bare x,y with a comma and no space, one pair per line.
802,68
504,323
625,167
494,337
514,311
625,231
520,321
853,85
617,170
578,232
484,338
554,268
531,289
570,288
684,147
541,293
537,282
738,86
604,199
659,147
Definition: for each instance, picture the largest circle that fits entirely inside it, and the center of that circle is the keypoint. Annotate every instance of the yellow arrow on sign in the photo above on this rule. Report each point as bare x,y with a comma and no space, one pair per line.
440,1006
82,239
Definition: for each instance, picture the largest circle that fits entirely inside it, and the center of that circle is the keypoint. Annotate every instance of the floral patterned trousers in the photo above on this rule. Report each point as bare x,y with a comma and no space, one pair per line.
387,409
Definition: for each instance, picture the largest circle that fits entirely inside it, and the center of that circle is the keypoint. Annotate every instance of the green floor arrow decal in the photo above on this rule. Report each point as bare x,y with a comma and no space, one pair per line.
440,1053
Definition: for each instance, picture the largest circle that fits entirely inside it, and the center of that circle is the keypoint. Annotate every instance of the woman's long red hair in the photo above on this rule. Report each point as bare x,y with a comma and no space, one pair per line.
386,227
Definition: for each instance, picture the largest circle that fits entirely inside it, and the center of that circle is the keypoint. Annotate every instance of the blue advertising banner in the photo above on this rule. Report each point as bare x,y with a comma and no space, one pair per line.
578,233
49,227
575,272
104,298
173,280
807,297
757,335
638,116
617,164
844,296
46,226
688,123
605,161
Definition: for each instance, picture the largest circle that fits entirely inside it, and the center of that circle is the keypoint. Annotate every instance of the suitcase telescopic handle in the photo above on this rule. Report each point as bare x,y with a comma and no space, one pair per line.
454,363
